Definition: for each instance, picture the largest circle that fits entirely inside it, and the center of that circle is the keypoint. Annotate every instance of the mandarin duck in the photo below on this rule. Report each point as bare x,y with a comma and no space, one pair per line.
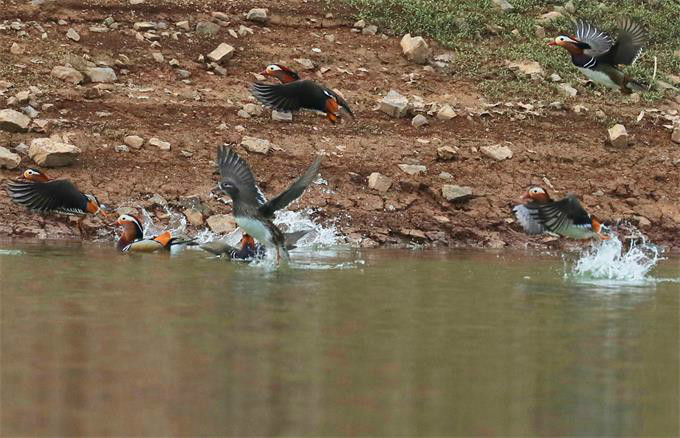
535,196
565,217
37,192
249,249
597,56
293,94
252,212
132,239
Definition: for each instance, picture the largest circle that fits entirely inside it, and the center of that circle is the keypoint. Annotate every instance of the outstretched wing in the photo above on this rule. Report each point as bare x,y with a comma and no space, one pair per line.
293,192
559,216
628,47
60,195
524,216
234,170
599,41
281,97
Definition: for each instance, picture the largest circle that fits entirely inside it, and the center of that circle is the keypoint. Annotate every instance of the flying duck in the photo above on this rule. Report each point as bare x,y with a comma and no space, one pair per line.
36,191
565,217
523,212
249,249
252,212
293,94
132,239
597,56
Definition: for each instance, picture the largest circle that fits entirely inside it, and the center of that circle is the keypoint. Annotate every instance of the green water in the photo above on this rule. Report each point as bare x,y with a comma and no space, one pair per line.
403,343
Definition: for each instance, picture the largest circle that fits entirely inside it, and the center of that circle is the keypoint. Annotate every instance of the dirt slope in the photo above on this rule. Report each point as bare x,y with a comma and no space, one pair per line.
560,147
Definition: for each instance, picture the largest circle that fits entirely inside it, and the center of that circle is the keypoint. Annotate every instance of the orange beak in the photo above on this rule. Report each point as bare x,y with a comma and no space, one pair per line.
265,73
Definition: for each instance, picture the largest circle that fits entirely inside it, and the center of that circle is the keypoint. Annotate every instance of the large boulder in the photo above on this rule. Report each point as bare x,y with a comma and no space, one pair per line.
13,121
47,152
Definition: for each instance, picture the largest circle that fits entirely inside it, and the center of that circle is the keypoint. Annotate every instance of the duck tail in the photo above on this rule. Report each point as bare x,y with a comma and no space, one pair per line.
291,239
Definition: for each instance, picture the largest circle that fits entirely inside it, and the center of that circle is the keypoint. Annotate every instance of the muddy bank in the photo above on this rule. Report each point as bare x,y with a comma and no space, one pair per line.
560,143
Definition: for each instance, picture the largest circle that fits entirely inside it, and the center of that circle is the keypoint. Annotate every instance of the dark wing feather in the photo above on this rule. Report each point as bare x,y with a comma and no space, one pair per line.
342,102
235,170
558,215
599,41
48,196
628,47
281,97
293,192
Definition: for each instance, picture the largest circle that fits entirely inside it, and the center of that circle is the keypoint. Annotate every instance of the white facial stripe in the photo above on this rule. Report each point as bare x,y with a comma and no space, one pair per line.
273,67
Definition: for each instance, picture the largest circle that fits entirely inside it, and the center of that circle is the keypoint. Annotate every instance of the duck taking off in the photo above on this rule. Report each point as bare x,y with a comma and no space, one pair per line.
252,212
249,249
597,56
293,94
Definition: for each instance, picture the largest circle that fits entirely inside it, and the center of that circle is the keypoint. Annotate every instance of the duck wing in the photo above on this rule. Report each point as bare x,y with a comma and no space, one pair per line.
599,42
234,170
56,195
628,47
293,192
559,216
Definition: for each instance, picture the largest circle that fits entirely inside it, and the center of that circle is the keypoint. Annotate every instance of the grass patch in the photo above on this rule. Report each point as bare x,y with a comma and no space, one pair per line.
484,37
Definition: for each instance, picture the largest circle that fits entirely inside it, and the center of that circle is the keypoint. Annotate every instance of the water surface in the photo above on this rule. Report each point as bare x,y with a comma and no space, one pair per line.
382,342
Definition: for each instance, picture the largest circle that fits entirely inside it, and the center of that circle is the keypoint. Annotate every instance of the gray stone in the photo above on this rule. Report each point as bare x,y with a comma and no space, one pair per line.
101,74
243,114
503,5
360,24
184,74
207,28
16,49
454,193
8,159
618,136
68,74
446,176
157,199
258,15
134,141
415,49
555,77
413,169
221,223
194,217
222,53
497,152
121,148
419,120
244,31
307,64
549,17
447,153
567,90
676,133
184,25
252,109
526,68
160,144
371,29
158,57
73,35
379,182
256,145
394,104
446,113
13,121
48,152
282,116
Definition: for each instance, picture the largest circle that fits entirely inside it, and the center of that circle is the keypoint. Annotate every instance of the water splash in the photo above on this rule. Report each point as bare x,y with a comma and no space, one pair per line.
610,260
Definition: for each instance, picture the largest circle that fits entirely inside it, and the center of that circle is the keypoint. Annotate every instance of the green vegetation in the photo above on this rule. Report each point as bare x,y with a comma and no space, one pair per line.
484,37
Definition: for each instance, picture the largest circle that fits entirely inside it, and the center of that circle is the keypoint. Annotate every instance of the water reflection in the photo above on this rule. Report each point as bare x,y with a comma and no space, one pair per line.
405,343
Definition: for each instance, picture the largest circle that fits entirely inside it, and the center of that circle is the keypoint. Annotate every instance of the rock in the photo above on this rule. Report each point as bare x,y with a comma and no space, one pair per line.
539,31
497,152
8,159
244,31
446,113
371,29
136,2
527,68
194,217
160,144
258,15
144,26
222,53
415,49
13,121
618,136
394,104
256,145
360,24
419,120
174,63
207,28
30,111
549,17
157,199
68,74
47,152
676,134
379,182
221,223
454,193
158,57
134,141
282,116
16,49
243,114
184,74
121,148
73,35
503,5
447,153
307,64
446,176
567,90
101,74
413,169
184,25
23,96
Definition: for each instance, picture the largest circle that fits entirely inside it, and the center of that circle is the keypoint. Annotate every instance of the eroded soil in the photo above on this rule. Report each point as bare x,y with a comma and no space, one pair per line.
558,147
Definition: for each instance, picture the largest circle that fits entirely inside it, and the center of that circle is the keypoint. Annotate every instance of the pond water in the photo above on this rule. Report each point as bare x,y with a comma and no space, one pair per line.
342,342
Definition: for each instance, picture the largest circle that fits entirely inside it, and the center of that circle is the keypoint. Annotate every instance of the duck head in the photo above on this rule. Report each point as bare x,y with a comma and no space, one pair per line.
282,73
573,45
132,229
35,175
536,194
